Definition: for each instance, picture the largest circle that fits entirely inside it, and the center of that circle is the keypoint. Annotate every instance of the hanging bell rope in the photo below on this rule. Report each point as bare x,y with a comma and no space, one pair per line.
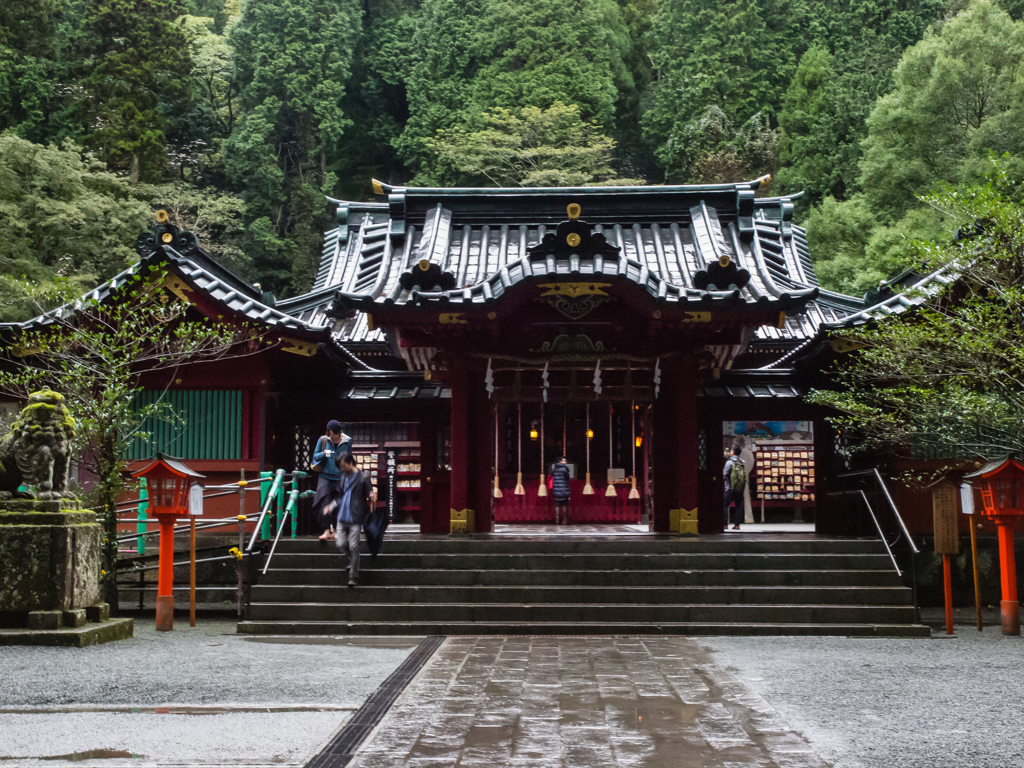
610,491
634,494
497,484
520,490
565,421
543,490
588,489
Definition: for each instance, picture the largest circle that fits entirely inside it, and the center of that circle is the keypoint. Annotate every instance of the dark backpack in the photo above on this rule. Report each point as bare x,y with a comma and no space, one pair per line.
737,475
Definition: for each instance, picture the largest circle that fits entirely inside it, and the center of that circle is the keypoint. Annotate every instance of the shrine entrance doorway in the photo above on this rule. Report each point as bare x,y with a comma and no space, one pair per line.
604,443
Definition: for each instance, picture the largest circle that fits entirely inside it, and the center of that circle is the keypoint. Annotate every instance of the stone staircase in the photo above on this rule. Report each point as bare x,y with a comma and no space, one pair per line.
507,585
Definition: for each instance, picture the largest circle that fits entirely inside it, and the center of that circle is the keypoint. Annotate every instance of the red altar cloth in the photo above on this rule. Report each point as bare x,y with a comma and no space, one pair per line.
582,509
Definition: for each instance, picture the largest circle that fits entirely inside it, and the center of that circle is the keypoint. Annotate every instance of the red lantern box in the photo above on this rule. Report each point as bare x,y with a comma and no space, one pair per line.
1001,483
169,482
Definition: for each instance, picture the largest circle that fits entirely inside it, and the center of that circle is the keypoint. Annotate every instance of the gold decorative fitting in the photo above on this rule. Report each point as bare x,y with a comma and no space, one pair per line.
162,216
574,211
572,239
424,265
377,188
723,260
452,318
492,315
296,347
166,237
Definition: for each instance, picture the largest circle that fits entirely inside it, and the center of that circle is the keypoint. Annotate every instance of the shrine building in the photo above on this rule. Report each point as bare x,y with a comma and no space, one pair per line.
468,338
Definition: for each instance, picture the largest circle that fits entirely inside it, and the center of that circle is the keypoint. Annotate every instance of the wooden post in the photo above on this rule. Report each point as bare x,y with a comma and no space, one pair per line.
191,570
947,581
977,580
947,538
1009,608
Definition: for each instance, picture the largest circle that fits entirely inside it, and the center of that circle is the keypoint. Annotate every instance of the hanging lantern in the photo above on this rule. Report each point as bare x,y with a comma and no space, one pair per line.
588,489
638,441
534,434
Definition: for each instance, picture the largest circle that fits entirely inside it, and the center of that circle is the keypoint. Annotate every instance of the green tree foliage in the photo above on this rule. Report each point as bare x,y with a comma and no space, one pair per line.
706,54
530,147
62,213
958,94
27,51
136,85
293,59
949,378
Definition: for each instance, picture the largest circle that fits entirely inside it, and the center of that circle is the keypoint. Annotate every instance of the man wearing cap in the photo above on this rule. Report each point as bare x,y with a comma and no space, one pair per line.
326,456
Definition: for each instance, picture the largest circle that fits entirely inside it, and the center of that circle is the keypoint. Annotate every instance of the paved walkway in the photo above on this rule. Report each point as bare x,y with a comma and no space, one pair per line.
541,702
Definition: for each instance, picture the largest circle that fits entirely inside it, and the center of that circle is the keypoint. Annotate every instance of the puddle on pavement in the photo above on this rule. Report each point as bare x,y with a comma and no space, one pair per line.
92,754
401,643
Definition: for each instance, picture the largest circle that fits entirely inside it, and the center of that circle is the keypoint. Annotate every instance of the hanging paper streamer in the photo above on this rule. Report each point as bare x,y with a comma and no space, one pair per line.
546,384
657,377
497,484
633,492
588,489
520,490
489,380
611,486
597,377
543,490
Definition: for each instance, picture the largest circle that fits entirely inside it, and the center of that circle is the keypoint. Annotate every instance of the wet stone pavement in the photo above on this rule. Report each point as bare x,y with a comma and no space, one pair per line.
589,702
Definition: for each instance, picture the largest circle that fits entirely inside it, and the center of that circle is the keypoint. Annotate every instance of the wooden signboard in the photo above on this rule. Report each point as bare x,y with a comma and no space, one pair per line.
945,498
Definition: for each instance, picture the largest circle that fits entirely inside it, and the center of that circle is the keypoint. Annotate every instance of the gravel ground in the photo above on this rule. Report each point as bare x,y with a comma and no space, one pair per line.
52,700
865,703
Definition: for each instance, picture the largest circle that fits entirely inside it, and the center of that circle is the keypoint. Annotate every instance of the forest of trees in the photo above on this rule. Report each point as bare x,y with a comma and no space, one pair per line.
239,116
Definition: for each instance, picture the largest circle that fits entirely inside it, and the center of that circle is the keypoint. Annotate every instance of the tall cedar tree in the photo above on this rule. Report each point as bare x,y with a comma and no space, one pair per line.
137,83
440,82
706,53
293,59
528,53
27,52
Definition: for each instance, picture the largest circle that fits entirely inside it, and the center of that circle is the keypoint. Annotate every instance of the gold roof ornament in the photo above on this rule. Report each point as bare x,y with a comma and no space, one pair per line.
574,211
162,216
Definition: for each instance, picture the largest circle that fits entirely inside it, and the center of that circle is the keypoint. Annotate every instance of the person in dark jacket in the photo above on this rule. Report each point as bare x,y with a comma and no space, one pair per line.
358,497
560,490
326,454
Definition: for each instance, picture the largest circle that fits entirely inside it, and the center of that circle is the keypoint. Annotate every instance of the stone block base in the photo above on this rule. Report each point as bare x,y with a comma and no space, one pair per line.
74,618
99,612
77,637
44,620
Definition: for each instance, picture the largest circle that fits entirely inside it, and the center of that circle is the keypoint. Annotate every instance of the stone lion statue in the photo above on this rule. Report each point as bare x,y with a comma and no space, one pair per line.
37,450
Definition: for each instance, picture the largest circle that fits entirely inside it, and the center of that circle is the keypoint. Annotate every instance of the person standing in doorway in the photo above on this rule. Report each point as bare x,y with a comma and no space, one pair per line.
358,497
328,487
750,515
735,476
560,490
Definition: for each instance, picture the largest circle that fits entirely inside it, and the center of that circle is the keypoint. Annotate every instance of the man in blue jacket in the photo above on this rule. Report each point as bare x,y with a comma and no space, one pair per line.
326,457
358,497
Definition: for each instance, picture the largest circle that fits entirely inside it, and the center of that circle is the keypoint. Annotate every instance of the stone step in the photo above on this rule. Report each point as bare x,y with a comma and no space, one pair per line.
531,614
632,594
372,575
641,544
599,562
414,628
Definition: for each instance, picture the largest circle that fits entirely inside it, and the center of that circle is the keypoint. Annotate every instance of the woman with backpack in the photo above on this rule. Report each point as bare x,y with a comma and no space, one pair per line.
735,476
326,455
560,490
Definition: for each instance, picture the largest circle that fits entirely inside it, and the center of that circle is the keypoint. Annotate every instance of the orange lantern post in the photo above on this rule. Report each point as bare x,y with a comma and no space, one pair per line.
169,482
1002,494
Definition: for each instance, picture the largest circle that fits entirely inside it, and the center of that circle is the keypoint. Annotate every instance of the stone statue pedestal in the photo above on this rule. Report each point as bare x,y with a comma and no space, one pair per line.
49,582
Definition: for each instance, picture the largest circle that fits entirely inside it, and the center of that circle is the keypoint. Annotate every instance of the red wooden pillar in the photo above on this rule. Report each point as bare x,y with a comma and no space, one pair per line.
1010,608
482,445
687,460
462,465
165,575
429,513
663,447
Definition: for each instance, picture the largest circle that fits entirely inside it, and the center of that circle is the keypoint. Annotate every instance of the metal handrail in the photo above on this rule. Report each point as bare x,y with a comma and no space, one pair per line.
271,494
288,509
878,526
892,504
